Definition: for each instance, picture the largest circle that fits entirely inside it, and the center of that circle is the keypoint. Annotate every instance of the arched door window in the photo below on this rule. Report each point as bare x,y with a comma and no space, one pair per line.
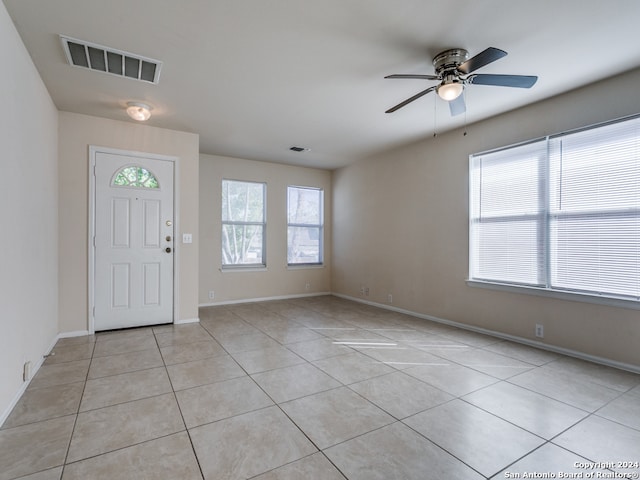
135,176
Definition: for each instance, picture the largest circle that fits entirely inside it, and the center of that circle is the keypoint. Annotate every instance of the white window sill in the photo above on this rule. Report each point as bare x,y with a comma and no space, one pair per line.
571,296
304,266
243,269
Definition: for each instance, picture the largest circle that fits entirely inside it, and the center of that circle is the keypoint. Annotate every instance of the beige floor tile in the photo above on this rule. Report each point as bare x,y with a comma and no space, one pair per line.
292,335
124,363
472,435
567,388
45,403
353,367
624,409
602,440
68,341
247,445
318,349
202,372
245,343
116,346
167,458
34,447
354,336
69,353
548,459
535,413
602,375
209,403
490,363
534,356
111,428
294,382
313,467
181,334
396,452
452,378
60,374
125,334
52,474
400,395
401,356
334,416
190,352
265,359
106,391
228,328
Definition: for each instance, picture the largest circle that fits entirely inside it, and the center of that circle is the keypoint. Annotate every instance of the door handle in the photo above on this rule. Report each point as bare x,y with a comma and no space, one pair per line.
168,249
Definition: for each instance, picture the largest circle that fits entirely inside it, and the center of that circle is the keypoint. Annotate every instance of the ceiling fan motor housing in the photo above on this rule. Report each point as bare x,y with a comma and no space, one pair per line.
449,60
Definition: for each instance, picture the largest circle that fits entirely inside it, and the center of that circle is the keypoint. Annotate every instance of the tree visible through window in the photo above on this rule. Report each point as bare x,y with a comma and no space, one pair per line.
305,223
243,223
135,176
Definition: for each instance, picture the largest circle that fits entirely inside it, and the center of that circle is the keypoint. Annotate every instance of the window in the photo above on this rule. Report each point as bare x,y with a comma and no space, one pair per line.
134,176
243,224
305,225
561,214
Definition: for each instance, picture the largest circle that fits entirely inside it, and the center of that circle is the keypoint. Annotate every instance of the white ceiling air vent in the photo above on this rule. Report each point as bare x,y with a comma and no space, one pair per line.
109,60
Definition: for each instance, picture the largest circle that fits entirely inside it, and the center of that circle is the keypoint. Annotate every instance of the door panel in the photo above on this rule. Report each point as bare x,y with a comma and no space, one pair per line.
133,284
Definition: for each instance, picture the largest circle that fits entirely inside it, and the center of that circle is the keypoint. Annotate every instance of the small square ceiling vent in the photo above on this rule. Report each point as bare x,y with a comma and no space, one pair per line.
109,60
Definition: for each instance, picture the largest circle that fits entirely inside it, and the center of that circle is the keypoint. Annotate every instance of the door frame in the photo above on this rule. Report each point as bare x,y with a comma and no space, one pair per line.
93,151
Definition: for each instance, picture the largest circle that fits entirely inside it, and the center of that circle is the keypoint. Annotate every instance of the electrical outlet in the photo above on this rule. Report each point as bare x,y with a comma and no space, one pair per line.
212,294
539,330
307,286
366,291
390,298
26,371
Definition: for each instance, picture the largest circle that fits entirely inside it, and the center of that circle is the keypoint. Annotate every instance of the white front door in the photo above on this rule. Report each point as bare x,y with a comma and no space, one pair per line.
134,241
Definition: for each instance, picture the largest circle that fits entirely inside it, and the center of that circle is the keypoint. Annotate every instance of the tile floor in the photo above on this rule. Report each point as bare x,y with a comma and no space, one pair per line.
317,388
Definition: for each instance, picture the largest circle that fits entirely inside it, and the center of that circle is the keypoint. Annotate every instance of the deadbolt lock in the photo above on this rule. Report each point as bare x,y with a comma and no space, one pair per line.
168,249
168,239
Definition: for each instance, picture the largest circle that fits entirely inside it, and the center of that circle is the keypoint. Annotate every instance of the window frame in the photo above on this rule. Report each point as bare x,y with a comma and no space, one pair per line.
548,215
244,266
319,226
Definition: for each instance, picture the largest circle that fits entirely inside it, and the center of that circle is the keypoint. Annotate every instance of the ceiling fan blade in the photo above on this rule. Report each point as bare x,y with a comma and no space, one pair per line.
457,106
409,75
519,81
485,57
409,100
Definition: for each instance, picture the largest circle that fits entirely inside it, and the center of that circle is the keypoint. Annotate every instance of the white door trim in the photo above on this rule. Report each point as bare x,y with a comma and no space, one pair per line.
93,150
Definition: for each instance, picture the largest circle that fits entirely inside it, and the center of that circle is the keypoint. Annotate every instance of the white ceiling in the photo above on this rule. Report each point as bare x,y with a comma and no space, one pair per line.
254,77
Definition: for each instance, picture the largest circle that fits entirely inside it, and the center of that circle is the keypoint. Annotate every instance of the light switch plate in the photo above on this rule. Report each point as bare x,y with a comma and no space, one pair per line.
187,238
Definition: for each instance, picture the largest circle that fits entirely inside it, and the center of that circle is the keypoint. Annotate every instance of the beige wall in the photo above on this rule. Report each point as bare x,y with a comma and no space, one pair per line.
277,279
76,134
29,201
400,227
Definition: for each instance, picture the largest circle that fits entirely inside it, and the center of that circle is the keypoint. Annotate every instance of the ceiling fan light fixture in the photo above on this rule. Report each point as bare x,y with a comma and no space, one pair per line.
139,111
450,91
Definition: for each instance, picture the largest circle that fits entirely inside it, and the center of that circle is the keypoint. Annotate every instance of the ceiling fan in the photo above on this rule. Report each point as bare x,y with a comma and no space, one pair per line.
454,69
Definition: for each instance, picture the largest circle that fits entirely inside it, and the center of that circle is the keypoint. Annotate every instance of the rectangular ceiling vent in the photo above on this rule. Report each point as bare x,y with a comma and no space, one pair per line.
109,60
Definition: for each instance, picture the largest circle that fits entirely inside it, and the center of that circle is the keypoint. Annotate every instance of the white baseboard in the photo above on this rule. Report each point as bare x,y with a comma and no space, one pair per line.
505,336
7,411
263,299
77,333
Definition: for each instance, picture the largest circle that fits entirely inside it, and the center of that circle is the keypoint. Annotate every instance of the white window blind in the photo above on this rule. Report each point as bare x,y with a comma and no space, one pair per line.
562,213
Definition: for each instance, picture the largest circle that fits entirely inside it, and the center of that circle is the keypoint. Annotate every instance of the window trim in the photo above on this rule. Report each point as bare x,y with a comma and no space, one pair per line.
247,266
546,290
320,227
